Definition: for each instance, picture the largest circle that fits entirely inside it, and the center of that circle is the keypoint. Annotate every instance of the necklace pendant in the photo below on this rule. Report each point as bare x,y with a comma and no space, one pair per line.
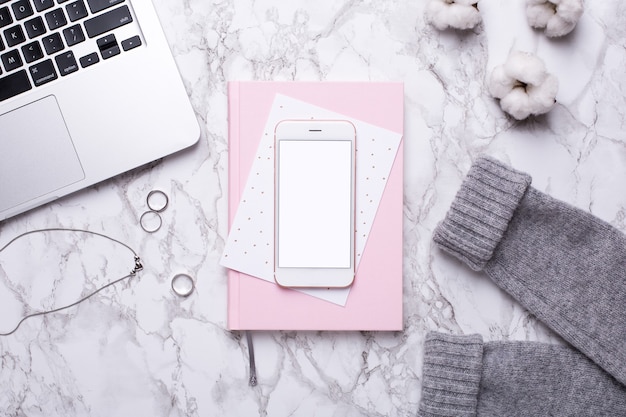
138,266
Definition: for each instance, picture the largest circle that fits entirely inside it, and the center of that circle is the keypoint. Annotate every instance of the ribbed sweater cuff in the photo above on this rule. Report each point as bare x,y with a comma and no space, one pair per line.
451,375
481,211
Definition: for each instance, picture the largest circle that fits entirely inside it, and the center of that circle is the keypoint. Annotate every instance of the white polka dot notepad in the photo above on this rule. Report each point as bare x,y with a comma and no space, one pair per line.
250,245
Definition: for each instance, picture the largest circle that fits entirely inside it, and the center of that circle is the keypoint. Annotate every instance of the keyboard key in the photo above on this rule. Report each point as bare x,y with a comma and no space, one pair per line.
108,21
131,43
108,46
5,17
32,52
1,45
43,72
14,84
52,43
98,5
76,10
106,42
66,63
56,19
89,60
42,5
11,60
22,9
35,27
14,36
73,35
111,52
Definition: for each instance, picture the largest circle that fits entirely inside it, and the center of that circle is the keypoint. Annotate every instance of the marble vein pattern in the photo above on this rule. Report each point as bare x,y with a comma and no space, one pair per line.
137,349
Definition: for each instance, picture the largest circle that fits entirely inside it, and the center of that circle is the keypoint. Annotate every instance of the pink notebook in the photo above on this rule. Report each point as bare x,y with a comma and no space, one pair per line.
375,299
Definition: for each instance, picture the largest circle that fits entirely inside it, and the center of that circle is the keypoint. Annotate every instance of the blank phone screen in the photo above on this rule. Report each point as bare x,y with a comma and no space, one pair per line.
314,204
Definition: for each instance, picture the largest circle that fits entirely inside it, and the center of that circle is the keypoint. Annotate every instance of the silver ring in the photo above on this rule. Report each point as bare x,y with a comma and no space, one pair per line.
159,194
182,284
148,224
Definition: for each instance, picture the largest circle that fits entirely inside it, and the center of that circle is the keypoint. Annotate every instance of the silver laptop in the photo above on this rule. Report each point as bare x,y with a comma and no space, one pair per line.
88,90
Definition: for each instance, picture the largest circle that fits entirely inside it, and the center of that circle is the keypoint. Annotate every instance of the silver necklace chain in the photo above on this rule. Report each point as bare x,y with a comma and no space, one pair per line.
138,267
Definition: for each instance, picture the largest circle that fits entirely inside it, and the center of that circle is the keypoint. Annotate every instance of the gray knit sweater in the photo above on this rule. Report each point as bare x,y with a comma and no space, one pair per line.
566,267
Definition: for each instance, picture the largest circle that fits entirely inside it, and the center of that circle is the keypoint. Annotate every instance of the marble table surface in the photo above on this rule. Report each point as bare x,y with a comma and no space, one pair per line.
136,349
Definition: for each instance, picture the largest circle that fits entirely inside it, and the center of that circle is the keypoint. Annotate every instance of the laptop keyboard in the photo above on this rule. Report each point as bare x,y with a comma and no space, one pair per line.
42,40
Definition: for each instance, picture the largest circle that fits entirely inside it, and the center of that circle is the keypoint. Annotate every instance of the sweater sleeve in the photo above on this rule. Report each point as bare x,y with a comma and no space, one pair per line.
462,376
451,375
564,265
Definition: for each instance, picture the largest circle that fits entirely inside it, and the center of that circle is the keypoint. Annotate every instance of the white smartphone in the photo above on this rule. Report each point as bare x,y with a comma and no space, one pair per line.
314,205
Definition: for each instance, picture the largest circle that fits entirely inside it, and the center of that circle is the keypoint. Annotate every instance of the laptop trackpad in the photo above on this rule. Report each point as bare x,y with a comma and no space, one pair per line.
37,155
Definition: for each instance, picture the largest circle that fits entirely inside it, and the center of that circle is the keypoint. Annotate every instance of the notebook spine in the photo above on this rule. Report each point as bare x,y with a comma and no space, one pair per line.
234,191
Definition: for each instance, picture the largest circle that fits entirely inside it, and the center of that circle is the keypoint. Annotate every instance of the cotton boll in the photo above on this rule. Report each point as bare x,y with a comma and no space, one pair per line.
517,104
464,17
570,10
437,14
456,14
557,17
525,67
557,26
523,86
501,83
543,96
539,15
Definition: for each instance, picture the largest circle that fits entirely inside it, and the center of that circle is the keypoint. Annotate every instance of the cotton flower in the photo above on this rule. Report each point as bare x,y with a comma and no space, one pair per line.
557,17
456,14
523,86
